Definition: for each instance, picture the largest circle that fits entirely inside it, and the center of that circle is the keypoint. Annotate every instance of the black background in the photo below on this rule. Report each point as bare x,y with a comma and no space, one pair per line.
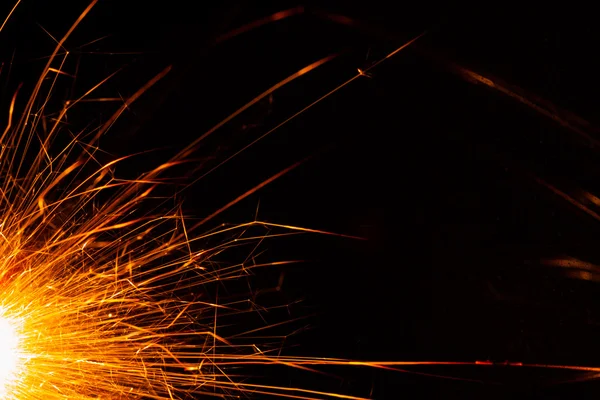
434,171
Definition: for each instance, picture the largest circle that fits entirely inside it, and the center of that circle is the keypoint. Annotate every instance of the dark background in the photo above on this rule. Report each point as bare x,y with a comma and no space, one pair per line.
436,172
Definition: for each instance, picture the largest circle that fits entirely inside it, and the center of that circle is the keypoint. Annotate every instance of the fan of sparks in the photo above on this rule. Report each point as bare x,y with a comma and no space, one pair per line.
103,288
98,297
101,298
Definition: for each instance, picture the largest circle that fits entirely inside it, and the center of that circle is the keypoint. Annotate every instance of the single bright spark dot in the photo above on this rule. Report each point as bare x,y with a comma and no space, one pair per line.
9,355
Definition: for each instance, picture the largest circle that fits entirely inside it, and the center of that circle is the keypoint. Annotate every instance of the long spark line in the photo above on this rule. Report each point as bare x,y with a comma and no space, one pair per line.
10,13
391,364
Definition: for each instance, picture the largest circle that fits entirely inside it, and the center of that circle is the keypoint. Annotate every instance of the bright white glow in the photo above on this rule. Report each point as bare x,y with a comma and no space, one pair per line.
9,355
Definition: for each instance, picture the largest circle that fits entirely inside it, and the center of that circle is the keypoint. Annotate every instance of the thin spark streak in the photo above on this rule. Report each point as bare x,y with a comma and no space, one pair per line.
12,10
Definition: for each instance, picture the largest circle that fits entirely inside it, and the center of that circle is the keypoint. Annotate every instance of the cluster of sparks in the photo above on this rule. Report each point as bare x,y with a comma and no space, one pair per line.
89,307
99,297
100,300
